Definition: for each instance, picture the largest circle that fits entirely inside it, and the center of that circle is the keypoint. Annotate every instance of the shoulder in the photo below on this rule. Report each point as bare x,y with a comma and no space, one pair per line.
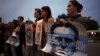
51,19
83,18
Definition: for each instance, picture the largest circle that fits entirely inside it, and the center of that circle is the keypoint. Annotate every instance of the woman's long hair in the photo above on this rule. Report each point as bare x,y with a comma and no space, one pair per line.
48,11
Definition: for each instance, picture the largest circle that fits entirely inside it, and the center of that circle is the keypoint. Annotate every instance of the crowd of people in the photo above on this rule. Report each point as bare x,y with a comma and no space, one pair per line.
31,37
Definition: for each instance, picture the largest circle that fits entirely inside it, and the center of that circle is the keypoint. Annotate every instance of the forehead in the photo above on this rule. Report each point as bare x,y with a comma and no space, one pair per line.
63,31
70,4
42,10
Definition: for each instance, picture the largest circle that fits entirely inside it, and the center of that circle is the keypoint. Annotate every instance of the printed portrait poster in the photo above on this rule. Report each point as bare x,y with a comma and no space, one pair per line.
29,34
14,38
62,41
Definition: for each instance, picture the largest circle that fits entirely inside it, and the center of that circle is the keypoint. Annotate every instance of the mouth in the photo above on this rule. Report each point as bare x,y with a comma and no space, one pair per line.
61,52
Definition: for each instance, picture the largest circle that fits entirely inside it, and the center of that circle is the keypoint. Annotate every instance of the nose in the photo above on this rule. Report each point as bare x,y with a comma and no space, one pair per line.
63,44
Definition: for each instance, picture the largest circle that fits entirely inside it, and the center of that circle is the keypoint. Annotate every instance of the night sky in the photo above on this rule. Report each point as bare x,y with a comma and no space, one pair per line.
11,9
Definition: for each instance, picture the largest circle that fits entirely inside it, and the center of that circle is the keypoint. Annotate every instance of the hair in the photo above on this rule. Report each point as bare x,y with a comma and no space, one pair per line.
48,10
38,10
77,4
21,18
15,22
29,21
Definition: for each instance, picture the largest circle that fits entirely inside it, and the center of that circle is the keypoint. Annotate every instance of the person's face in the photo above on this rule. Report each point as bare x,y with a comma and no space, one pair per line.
63,40
36,14
19,20
43,13
71,9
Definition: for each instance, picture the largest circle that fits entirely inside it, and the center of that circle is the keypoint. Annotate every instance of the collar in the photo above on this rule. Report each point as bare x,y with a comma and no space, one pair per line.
74,17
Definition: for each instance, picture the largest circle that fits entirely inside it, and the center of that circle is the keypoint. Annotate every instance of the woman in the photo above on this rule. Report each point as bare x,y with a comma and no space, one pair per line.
43,28
74,9
74,17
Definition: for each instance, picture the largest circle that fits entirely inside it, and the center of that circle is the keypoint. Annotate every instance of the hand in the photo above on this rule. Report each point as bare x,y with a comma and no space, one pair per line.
62,20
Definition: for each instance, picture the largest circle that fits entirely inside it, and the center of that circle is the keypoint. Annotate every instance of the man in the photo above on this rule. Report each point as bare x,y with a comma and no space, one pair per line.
37,15
21,32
